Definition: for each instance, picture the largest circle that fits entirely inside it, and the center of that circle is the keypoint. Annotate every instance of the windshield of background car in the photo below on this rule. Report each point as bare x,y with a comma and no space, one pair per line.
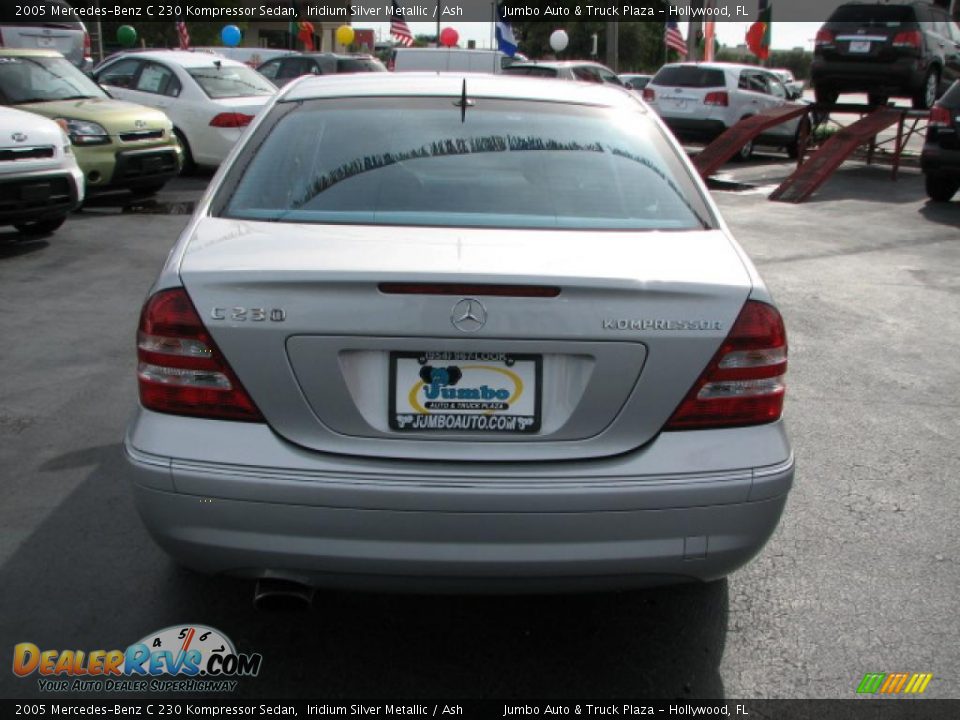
39,79
873,15
352,65
689,76
532,70
506,163
230,81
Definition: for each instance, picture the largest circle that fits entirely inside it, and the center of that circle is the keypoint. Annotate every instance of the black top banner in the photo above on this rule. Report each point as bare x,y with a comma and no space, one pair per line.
491,709
446,11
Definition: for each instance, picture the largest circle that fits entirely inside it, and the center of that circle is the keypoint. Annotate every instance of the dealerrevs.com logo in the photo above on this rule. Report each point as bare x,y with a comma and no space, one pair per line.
180,658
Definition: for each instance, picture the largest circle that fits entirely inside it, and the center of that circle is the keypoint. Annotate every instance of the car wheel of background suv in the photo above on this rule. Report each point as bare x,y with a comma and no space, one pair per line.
941,187
803,135
924,98
826,95
878,100
744,153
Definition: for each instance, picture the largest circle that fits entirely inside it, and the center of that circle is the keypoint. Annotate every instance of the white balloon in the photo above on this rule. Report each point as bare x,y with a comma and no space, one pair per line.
559,40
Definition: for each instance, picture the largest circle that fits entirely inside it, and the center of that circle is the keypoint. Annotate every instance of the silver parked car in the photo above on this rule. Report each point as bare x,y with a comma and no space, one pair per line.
51,25
443,333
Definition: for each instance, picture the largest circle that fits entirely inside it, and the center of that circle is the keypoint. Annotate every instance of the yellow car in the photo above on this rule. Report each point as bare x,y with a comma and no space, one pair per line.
118,145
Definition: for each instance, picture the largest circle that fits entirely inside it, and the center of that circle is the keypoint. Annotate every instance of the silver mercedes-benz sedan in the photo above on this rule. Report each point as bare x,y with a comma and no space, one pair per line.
446,332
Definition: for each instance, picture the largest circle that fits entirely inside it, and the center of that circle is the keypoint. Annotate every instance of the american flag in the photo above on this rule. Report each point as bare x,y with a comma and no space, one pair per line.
399,28
183,34
674,38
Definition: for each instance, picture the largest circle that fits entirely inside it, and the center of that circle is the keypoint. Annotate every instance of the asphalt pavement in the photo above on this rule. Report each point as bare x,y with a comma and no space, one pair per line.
862,575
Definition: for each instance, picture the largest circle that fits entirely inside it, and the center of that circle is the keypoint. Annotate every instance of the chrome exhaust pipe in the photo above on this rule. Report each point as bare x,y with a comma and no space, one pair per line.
275,595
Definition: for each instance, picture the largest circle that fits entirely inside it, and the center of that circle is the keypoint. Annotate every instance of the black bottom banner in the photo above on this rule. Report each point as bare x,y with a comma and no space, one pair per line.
892,709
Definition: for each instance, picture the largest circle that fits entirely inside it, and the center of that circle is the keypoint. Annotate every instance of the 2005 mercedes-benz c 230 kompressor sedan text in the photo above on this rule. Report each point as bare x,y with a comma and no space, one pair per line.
459,332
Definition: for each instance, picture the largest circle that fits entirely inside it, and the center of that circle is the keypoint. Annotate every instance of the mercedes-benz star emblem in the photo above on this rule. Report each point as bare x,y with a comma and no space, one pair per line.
139,124
468,315
18,137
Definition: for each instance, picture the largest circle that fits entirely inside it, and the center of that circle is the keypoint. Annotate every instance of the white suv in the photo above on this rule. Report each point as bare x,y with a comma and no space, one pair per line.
40,182
698,101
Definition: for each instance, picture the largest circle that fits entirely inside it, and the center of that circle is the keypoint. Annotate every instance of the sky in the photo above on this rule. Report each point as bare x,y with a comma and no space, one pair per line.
786,35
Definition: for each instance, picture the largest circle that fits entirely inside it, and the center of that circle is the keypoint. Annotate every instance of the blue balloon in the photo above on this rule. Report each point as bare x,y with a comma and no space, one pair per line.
230,35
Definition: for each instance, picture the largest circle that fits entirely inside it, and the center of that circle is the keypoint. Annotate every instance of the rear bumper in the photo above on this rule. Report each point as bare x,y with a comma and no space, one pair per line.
427,526
905,76
23,199
694,130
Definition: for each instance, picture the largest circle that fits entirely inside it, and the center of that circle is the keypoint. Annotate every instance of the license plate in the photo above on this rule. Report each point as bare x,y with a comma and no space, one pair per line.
465,392
46,42
859,46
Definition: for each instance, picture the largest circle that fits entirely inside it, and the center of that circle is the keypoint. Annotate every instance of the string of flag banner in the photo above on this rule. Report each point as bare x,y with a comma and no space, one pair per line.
758,36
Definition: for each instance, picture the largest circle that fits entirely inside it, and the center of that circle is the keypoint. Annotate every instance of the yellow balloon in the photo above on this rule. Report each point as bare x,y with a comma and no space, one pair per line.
345,35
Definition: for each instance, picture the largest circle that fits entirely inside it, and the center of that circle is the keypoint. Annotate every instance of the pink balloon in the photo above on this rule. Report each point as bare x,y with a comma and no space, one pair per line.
449,37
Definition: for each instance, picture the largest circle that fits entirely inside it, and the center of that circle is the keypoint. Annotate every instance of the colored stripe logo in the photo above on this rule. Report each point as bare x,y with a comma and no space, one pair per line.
894,683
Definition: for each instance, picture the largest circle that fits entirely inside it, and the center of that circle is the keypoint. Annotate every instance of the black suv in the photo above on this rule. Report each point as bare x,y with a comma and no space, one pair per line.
905,50
940,159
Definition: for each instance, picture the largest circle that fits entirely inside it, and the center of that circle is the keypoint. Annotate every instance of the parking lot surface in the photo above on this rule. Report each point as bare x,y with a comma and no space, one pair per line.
860,577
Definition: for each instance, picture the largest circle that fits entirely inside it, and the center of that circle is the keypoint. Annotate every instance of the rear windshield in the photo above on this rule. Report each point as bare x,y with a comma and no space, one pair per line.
352,65
873,15
689,76
403,161
229,81
533,70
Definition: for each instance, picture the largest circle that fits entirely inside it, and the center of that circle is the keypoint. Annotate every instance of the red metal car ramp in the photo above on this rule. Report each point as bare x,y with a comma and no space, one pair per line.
819,166
713,157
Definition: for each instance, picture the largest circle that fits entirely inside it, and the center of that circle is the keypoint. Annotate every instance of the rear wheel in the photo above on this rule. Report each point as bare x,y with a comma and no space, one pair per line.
801,139
826,95
941,187
40,227
189,166
926,96
744,153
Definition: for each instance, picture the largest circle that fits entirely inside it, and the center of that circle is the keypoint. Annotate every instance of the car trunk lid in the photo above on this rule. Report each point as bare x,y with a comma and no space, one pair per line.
304,317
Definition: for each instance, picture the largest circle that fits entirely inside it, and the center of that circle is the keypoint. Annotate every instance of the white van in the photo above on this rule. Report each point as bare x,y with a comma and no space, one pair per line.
450,60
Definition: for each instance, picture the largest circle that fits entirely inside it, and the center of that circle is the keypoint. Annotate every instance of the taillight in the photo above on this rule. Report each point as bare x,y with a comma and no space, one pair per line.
744,382
939,116
908,39
824,37
1,37
86,44
231,120
181,370
719,98
649,95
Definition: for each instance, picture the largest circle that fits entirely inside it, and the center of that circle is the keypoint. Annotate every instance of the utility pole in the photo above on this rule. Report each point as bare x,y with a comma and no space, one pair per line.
613,46
694,28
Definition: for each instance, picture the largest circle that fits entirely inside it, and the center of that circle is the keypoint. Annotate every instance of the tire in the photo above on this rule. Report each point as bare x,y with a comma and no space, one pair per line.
40,227
803,131
928,93
744,153
826,95
878,100
941,187
189,166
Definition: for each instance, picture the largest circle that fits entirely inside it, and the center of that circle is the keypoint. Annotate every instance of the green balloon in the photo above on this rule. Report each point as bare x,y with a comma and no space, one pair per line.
126,35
